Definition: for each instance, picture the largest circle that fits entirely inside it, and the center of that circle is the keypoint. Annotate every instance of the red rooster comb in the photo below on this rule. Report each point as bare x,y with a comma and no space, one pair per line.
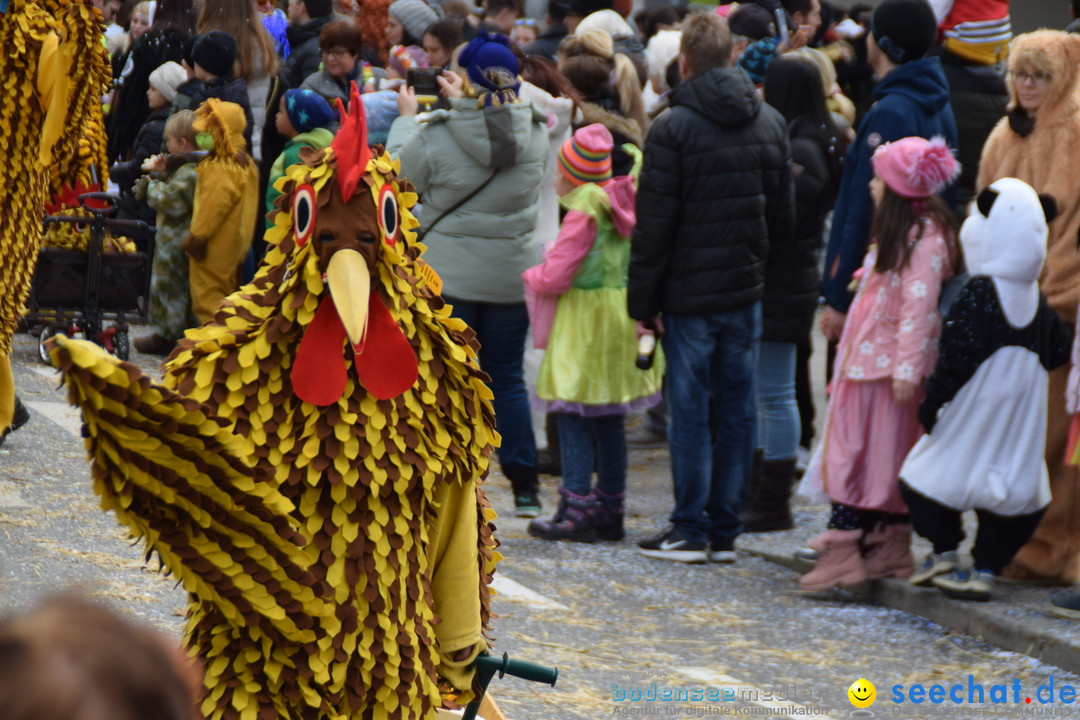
350,145
68,198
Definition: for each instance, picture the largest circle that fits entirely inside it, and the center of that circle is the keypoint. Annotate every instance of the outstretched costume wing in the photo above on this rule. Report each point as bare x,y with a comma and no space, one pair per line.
171,472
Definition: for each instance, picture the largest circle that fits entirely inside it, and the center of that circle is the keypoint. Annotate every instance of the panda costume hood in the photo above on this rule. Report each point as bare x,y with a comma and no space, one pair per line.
1007,243
985,407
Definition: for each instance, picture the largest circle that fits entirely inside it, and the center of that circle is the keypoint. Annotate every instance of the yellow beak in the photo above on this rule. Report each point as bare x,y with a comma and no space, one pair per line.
349,281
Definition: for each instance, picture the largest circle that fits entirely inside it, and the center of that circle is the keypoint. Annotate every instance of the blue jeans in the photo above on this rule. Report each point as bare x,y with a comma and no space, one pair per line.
501,330
578,436
778,413
711,360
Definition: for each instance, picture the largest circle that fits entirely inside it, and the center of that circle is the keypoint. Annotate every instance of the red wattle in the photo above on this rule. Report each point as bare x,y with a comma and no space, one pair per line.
385,361
318,374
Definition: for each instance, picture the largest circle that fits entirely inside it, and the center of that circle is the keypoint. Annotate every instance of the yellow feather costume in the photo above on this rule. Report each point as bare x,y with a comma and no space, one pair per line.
54,70
387,597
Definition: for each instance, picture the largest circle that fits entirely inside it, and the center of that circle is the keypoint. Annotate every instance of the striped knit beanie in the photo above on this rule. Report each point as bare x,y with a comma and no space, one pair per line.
586,156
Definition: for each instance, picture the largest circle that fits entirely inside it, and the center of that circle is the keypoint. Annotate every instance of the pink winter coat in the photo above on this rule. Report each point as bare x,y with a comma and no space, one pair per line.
893,325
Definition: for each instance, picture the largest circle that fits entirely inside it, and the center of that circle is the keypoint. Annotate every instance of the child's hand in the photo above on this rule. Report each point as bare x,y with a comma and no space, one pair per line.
195,247
903,391
154,163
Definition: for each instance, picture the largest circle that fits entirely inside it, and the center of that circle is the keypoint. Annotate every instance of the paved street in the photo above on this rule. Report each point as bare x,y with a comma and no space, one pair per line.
616,624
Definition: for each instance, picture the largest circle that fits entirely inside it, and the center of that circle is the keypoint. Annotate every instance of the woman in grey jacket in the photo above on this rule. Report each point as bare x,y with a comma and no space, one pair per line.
480,244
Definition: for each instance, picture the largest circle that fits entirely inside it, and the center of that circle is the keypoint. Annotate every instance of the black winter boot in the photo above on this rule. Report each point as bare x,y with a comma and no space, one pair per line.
771,510
549,459
753,489
573,520
608,515
526,489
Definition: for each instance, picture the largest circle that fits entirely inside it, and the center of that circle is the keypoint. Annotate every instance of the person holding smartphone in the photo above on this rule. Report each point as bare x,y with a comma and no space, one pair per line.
478,168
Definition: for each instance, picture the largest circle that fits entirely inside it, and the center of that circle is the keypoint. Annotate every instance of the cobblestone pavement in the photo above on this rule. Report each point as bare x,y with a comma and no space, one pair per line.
618,625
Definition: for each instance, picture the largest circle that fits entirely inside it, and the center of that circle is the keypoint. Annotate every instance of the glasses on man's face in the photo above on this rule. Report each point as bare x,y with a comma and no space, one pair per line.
1038,78
336,52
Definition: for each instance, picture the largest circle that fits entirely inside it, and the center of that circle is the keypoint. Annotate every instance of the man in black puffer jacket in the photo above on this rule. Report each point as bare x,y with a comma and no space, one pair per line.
716,190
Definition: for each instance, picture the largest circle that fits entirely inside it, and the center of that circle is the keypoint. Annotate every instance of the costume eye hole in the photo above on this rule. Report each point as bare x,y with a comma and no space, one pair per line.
388,213
303,210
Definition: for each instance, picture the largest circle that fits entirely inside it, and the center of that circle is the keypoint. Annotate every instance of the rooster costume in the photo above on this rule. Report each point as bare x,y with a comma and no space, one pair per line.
310,470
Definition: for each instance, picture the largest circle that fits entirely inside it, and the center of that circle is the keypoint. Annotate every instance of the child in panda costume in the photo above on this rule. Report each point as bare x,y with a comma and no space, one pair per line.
985,406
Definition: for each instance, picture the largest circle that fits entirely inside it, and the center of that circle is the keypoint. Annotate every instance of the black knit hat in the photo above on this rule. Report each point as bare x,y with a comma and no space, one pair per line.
588,7
215,52
188,47
904,29
751,21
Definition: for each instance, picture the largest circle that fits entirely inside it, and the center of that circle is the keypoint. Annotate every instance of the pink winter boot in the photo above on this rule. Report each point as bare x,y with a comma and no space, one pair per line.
840,561
887,551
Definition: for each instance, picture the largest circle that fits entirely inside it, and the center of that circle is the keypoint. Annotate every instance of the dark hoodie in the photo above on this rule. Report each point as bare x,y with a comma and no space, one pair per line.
912,100
229,89
304,57
715,190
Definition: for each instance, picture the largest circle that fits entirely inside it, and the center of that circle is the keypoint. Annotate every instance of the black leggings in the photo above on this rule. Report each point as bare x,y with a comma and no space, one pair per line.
998,539
846,517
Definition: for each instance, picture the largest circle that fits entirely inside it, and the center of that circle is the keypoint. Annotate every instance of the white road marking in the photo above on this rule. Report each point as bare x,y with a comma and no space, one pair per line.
749,693
61,413
50,373
514,591
11,495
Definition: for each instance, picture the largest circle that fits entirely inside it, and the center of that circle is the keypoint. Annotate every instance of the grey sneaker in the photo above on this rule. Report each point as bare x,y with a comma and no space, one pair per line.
933,566
806,554
969,584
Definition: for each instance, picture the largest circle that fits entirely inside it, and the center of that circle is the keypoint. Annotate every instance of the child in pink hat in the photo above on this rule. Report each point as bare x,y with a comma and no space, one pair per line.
588,375
887,349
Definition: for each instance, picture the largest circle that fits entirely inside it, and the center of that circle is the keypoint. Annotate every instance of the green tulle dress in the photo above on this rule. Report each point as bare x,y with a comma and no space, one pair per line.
589,368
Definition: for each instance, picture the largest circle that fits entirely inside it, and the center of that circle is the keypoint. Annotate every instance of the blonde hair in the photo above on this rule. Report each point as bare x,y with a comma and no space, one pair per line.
144,8
256,52
1034,56
627,83
821,62
181,125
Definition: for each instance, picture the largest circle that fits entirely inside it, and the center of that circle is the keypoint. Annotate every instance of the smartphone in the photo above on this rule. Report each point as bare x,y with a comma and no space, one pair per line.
781,27
422,80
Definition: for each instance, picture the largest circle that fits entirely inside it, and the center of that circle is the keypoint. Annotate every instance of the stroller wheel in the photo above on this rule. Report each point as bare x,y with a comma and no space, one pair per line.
47,332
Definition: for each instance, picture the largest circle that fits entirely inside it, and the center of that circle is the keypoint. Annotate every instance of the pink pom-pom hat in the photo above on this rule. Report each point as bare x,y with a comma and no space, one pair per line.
915,167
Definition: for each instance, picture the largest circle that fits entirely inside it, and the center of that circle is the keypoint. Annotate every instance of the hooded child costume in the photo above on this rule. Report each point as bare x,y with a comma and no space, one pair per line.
985,404
226,206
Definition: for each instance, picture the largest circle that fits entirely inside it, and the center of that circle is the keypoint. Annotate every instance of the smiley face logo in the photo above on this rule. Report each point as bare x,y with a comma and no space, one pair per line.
862,693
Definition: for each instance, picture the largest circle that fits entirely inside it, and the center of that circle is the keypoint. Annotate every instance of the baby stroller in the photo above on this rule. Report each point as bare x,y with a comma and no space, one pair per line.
95,293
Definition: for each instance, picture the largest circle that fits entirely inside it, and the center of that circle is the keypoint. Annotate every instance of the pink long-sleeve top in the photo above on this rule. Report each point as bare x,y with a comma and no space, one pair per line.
577,235
893,325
